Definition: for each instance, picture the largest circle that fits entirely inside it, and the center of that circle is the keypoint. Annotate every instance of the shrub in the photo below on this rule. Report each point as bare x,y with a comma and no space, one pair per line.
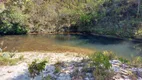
58,66
57,69
102,65
137,61
36,67
12,22
123,60
47,78
100,60
110,54
7,59
102,74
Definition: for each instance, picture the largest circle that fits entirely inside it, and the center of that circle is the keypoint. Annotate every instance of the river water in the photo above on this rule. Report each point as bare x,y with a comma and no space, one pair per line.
20,43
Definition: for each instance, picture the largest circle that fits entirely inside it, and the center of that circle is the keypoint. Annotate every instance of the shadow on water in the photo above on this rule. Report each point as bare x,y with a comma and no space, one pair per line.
89,39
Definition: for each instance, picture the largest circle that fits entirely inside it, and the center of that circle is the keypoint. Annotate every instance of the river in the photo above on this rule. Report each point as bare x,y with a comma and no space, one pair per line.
124,48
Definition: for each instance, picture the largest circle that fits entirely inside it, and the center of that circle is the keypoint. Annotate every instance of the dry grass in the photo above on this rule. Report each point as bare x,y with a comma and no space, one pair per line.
7,59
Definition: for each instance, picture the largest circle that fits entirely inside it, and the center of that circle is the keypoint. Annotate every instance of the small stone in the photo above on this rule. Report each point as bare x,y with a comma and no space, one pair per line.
134,69
125,72
50,69
87,78
92,78
117,77
80,69
125,77
89,74
139,73
115,62
67,71
115,68
64,76
9,71
124,66
139,78
77,78
140,69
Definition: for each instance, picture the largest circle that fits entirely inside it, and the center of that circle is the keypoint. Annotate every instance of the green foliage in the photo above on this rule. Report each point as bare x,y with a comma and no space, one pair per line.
102,74
111,18
85,18
102,65
47,78
106,17
21,57
57,69
7,59
137,61
12,28
100,60
2,7
11,24
11,55
109,54
36,67
123,60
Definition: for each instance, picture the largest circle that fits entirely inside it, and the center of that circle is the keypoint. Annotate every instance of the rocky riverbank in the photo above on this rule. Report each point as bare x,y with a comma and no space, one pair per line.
65,66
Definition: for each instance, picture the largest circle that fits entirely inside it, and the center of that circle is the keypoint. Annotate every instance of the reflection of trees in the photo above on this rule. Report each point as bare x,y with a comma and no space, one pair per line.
63,37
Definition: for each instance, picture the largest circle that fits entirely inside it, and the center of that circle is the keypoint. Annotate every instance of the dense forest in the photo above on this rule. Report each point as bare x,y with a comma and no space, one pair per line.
121,18
73,40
